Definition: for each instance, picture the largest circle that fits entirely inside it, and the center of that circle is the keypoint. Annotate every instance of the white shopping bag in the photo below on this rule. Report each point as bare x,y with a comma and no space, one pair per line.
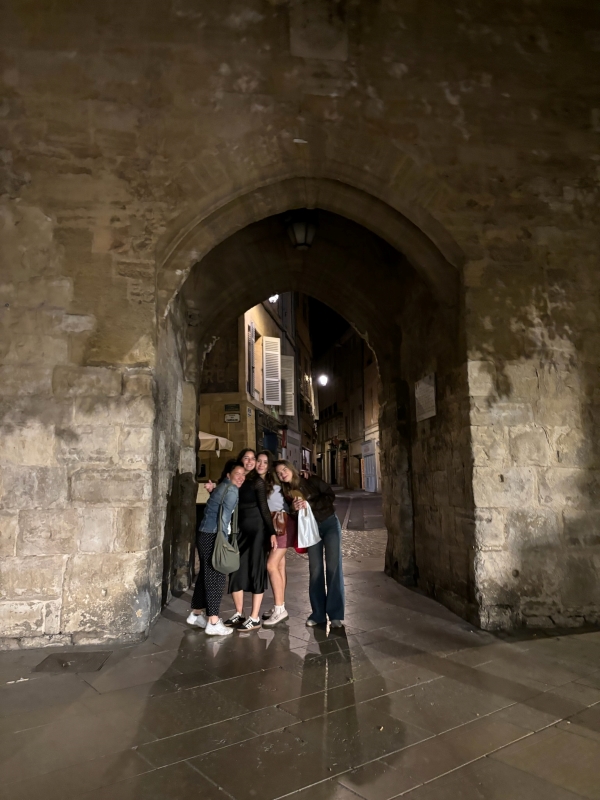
308,530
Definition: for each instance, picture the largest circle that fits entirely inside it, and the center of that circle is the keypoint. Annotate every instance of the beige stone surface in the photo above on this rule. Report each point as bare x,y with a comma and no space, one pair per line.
116,487
105,592
48,532
32,578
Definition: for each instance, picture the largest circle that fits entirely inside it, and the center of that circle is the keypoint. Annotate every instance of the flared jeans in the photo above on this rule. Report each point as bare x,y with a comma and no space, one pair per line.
326,586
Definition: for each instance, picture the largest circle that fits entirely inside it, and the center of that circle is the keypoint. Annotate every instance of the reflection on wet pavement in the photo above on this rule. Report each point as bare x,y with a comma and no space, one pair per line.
406,700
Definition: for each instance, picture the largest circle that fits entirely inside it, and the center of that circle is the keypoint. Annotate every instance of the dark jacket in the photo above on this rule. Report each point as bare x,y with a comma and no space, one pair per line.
320,497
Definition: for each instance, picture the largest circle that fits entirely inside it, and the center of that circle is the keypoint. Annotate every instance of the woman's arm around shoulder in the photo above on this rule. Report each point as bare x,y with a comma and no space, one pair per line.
263,505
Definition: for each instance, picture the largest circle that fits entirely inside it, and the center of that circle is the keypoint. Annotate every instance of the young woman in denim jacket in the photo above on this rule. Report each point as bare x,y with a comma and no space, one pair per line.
210,584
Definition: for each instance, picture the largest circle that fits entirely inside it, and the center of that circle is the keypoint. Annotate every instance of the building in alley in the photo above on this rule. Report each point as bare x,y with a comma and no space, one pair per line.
256,386
348,427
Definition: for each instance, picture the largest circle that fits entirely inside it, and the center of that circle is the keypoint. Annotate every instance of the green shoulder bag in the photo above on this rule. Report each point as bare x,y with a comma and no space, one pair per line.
226,555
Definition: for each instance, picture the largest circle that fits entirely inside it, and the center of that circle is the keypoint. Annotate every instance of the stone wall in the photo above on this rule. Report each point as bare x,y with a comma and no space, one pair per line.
135,139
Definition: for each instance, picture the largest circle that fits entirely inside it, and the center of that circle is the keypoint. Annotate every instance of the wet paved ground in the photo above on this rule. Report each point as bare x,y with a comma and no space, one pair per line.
408,699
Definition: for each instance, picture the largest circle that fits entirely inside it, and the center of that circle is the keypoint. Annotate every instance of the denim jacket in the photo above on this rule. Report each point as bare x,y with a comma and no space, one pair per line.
225,497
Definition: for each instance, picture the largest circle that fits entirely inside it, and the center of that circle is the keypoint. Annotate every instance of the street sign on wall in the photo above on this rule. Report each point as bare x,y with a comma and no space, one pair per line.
232,417
425,397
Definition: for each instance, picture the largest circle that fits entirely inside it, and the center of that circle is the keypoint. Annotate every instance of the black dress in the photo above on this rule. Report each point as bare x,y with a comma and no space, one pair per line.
254,538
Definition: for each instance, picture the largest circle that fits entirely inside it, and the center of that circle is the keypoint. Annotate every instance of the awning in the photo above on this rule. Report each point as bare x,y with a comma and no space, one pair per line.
208,441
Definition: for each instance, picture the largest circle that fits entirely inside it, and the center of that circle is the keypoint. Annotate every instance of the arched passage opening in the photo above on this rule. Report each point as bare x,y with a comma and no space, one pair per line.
399,292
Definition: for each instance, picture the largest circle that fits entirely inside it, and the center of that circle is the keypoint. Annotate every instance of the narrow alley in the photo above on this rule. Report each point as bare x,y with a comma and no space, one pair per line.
406,700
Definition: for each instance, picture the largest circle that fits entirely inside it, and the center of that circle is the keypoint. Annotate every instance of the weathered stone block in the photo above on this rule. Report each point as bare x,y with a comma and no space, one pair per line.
508,488
113,487
523,381
87,444
489,528
564,486
30,349
575,449
582,527
529,445
32,577
533,529
22,618
48,532
440,488
138,383
9,525
187,460
32,487
98,530
135,446
133,530
128,410
81,381
19,381
580,587
482,378
490,447
77,323
28,445
500,413
107,592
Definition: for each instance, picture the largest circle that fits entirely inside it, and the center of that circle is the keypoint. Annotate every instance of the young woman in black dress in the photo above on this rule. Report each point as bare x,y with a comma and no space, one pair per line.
255,539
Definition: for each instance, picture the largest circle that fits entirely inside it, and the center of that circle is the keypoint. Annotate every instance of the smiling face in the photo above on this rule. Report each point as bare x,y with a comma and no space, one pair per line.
262,465
249,461
237,476
284,474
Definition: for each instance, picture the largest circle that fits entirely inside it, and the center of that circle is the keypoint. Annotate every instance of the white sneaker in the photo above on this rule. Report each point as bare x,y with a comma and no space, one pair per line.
197,619
276,616
217,629
337,623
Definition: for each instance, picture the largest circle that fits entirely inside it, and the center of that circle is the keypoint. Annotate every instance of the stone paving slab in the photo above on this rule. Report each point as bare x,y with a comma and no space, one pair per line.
407,700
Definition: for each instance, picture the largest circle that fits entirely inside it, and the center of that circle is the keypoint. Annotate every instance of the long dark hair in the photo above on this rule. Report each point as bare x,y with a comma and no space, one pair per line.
269,476
291,489
243,452
231,464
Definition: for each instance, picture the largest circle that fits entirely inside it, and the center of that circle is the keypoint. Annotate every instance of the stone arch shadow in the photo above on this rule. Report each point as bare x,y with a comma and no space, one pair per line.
408,310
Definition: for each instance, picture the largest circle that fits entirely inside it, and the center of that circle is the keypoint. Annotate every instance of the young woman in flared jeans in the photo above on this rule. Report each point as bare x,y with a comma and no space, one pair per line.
326,586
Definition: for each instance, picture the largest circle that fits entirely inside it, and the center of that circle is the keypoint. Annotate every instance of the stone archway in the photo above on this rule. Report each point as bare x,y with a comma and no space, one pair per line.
408,285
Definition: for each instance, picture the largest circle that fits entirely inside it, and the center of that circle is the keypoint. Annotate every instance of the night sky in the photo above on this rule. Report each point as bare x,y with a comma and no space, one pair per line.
326,327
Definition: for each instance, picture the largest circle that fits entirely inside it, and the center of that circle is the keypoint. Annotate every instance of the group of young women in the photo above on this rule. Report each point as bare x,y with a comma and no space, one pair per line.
268,498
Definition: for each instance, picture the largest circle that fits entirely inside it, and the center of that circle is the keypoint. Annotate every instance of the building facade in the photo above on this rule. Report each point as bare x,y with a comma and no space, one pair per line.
254,385
348,427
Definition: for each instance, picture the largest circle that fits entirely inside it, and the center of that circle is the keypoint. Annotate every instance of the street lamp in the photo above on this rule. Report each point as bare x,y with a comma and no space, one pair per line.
274,298
323,380
301,226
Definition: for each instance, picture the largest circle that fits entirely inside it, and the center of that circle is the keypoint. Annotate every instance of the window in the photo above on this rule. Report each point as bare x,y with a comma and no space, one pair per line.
288,386
251,343
272,370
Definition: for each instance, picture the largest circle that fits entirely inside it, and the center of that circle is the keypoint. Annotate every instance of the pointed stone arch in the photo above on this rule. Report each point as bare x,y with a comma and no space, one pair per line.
353,172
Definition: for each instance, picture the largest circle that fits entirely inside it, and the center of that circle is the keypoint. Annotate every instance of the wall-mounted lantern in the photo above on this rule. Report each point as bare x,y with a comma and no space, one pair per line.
301,226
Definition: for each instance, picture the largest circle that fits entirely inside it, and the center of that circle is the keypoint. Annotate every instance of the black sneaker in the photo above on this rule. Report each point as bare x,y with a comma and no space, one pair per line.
235,621
249,625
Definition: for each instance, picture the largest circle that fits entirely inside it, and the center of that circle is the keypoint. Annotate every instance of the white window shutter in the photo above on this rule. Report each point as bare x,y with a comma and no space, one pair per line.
288,407
251,341
272,370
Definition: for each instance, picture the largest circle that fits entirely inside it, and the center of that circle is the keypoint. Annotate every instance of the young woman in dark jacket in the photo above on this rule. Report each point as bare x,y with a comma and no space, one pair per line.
326,587
255,539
